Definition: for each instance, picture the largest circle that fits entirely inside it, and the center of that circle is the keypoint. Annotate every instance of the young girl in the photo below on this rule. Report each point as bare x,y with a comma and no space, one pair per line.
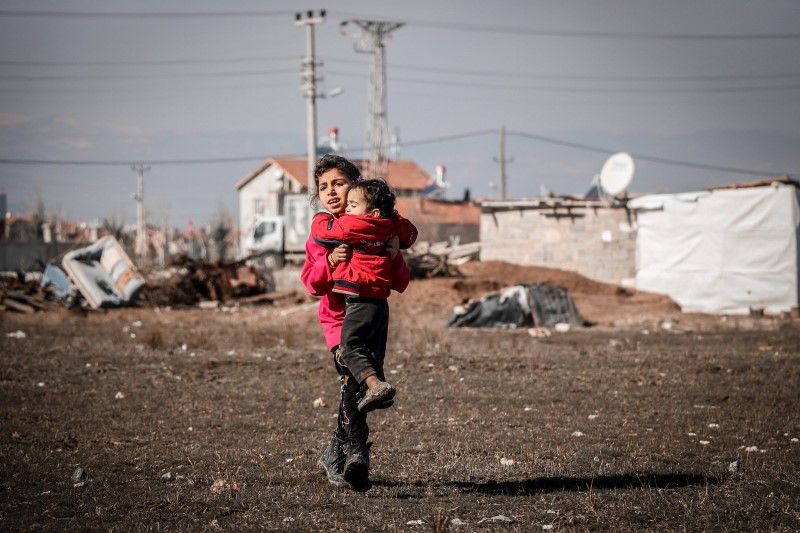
369,222
334,176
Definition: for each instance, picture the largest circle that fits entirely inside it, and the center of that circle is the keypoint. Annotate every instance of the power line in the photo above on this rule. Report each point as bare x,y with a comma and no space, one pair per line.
425,81
165,90
141,14
211,160
645,157
128,63
432,69
484,28
448,138
73,77
546,32
113,163
579,77
610,35
434,140
436,70
419,142
573,89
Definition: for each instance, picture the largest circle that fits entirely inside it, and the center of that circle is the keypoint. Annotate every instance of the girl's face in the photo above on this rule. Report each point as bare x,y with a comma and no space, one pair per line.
332,187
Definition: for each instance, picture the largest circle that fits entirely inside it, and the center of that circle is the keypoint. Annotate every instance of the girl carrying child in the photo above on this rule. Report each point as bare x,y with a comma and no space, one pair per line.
352,262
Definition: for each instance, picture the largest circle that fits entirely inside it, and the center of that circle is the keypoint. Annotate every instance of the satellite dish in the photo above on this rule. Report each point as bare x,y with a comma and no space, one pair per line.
617,173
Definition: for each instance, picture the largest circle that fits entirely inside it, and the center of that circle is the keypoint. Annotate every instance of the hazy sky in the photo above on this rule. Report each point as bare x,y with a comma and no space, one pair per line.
705,82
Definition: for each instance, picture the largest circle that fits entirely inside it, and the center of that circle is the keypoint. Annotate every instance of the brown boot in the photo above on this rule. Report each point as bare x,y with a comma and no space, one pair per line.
376,397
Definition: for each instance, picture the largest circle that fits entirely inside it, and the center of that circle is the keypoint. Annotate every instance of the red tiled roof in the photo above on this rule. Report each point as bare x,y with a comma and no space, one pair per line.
295,167
418,209
406,175
403,175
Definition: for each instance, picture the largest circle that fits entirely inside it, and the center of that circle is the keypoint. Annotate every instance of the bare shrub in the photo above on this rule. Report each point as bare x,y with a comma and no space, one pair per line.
154,339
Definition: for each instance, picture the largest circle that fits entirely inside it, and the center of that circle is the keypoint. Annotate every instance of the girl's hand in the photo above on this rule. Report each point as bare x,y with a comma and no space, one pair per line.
339,254
393,246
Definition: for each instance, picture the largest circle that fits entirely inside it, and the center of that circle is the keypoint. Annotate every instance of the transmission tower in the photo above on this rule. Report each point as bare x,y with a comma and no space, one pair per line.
371,41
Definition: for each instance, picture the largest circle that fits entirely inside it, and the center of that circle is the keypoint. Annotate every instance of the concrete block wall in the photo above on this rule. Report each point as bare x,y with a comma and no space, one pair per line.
16,255
599,242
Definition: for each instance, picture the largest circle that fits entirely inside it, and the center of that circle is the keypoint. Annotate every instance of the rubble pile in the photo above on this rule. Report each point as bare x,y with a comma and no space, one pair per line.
440,259
23,294
189,282
102,276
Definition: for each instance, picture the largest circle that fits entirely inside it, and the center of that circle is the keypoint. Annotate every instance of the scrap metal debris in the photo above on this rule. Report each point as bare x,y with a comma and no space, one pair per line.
440,259
104,274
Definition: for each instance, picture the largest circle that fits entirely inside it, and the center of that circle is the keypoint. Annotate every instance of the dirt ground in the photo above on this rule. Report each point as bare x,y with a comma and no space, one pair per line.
206,419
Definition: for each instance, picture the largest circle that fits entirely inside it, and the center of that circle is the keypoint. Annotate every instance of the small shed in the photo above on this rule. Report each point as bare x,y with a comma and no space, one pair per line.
729,250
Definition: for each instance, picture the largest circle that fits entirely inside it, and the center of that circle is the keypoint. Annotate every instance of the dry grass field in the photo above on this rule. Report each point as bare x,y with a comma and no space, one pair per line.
205,420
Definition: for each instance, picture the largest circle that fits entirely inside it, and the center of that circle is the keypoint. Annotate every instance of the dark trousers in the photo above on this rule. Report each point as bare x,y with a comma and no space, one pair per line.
363,348
364,332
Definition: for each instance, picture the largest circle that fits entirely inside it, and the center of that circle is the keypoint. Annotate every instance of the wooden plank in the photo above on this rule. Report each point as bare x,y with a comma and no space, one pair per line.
18,306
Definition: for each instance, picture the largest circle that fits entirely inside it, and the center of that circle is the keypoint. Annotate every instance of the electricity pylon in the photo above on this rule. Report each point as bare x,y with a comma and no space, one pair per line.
371,41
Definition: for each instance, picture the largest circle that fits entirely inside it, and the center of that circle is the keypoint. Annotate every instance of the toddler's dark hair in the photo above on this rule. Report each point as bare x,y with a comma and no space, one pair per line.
326,163
378,195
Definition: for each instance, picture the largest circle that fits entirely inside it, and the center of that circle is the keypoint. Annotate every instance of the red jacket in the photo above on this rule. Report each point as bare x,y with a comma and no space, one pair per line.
317,277
369,271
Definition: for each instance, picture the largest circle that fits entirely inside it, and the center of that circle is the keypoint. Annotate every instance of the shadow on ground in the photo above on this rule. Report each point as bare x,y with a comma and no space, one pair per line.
540,485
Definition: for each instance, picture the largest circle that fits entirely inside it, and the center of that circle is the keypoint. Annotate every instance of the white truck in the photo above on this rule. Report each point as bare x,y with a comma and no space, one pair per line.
280,239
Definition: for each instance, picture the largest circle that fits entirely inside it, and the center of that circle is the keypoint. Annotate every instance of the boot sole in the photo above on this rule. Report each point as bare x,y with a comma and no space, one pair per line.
378,402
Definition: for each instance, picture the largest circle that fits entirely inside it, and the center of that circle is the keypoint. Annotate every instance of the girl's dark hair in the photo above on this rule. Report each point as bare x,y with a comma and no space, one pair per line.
378,195
328,162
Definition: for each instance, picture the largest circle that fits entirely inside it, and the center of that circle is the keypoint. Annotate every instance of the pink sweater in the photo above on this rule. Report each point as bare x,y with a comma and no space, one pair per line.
317,276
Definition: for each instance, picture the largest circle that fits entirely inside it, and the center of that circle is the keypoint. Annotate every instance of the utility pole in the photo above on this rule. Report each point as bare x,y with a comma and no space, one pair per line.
503,160
371,41
310,85
141,237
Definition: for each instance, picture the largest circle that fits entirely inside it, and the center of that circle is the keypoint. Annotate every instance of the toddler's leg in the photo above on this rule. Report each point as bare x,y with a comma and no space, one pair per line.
356,334
380,337
380,394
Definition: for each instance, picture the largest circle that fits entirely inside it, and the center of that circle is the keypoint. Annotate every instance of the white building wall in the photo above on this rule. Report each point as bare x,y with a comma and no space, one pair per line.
266,189
723,251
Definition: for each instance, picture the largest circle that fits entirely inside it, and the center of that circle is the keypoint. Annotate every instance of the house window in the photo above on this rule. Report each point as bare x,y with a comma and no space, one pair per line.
258,207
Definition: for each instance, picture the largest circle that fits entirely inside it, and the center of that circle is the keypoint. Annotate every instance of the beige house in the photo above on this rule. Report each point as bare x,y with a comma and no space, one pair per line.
262,192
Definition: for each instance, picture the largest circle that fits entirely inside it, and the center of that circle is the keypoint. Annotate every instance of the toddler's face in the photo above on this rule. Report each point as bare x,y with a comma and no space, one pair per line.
357,204
332,187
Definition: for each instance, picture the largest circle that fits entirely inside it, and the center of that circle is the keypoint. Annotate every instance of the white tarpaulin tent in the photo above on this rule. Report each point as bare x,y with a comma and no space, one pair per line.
724,251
